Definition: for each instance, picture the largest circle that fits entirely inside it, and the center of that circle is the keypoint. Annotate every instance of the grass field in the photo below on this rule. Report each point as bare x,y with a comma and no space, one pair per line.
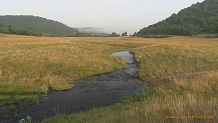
29,65
182,72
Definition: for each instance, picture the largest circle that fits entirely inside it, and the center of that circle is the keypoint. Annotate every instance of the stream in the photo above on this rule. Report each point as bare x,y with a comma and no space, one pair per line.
87,93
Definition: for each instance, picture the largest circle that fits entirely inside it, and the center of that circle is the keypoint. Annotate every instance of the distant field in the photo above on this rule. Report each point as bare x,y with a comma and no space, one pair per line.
186,66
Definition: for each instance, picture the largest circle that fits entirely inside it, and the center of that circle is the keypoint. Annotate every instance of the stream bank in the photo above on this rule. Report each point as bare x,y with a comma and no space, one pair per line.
91,92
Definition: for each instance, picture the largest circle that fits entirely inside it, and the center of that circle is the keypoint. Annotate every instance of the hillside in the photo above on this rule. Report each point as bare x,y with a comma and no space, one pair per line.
30,24
197,19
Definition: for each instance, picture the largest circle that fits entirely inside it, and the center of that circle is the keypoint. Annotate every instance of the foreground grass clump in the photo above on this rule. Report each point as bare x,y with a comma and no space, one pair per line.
182,96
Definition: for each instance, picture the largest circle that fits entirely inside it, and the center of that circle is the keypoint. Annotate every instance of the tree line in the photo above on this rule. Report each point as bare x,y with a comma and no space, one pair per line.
114,34
10,30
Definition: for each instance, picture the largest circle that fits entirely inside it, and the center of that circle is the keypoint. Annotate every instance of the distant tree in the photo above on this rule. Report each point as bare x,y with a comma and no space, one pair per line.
36,34
114,34
21,32
124,34
1,26
10,30
216,30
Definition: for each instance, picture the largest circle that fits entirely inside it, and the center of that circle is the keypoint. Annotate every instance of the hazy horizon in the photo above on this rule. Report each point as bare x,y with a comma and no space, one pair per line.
112,16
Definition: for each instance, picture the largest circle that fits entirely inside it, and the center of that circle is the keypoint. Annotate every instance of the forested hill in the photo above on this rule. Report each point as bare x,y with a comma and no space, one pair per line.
197,19
31,25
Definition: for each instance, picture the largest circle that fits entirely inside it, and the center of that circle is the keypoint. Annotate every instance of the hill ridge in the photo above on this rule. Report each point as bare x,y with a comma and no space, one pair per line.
30,23
196,19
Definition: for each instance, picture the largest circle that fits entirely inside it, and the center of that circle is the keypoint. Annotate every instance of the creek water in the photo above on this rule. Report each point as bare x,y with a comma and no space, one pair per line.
96,91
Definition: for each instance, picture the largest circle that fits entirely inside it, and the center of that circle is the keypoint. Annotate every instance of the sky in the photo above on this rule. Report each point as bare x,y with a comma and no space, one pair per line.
111,15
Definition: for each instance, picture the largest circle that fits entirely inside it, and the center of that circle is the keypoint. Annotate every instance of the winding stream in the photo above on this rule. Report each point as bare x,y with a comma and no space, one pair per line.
97,91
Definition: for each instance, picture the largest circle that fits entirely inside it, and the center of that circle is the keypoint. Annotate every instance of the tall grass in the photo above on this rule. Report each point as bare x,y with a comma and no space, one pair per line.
186,67
29,65
196,96
165,60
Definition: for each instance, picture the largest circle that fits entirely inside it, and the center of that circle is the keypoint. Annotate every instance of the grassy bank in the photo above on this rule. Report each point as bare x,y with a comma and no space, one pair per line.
196,96
30,65
183,75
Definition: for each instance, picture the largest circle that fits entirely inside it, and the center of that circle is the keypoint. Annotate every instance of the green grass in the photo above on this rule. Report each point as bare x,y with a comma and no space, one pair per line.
206,35
156,36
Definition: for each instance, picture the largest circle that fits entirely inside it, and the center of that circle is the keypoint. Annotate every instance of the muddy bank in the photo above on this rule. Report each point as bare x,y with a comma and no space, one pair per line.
97,91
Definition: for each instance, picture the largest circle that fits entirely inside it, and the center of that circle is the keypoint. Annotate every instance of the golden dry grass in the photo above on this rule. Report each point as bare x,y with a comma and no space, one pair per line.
187,65
28,65
180,97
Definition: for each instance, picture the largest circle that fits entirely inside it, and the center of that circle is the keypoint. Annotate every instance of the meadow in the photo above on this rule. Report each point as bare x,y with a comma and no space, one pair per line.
30,66
181,72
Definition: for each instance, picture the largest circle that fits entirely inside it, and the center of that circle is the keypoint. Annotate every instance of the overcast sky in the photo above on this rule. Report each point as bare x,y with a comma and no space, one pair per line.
111,15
